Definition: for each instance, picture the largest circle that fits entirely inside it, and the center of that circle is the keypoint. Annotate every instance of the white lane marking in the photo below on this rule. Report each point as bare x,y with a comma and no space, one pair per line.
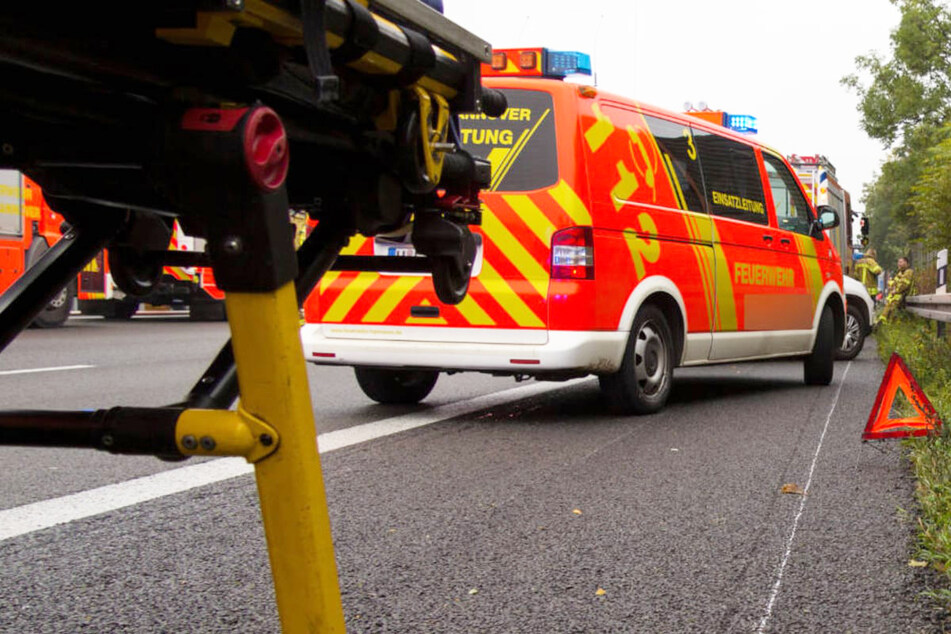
802,506
69,508
60,368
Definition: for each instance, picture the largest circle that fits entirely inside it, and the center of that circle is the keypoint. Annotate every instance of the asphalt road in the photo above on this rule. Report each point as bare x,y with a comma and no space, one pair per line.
540,512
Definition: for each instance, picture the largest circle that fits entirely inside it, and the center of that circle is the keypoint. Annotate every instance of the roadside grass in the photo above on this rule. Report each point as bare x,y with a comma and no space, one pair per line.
928,357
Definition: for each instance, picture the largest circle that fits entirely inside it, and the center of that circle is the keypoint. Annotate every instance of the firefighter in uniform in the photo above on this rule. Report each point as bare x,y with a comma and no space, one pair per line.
867,271
899,286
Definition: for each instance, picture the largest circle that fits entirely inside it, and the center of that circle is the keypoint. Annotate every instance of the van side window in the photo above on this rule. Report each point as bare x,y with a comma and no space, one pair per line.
676,144
732,178
792,210
520,144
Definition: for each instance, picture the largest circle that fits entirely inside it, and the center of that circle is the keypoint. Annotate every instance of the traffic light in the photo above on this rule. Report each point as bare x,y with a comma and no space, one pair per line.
865,227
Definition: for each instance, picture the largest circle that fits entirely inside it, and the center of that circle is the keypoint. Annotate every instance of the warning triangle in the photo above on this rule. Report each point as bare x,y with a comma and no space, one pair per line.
881,425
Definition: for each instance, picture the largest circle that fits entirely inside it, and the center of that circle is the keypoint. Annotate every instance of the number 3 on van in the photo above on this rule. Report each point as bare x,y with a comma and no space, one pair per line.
618,240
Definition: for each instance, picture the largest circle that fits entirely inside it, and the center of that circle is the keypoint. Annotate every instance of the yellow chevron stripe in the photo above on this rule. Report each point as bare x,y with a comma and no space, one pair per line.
472,312
726,302
527,265
349,296
328,279
810,265
355,244
704,256
508,299
540,224
571,203
391,298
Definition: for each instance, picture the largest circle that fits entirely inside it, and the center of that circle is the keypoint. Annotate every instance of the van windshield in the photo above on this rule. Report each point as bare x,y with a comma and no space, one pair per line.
520,144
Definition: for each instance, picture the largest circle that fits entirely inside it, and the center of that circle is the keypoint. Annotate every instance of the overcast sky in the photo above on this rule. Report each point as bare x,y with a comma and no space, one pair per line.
778,61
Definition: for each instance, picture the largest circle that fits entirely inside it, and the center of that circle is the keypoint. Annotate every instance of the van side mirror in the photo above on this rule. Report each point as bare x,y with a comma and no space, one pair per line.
828,217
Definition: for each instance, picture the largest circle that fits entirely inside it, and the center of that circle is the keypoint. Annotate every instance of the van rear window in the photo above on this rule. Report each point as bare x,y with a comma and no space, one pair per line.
520,144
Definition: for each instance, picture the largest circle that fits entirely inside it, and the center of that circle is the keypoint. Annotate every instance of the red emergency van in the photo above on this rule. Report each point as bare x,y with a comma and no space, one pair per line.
617,239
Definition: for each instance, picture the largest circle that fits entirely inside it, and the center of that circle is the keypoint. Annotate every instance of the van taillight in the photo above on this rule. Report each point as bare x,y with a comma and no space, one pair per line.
572,254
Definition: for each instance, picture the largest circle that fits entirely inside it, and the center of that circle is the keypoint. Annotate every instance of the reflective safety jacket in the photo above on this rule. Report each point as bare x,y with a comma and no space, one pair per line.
867,271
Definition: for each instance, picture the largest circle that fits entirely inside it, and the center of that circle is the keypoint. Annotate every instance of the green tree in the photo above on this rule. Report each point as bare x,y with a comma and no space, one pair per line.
910,93
906,106
931,202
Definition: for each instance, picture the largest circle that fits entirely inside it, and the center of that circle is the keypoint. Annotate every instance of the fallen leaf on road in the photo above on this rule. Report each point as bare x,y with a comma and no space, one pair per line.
793,489
915,563
601,592
474,591
577,512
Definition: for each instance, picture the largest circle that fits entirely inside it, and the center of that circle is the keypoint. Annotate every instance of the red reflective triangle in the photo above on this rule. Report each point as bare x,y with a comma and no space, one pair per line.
881,426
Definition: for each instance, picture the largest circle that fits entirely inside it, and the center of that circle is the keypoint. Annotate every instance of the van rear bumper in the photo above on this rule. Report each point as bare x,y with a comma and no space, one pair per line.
588,352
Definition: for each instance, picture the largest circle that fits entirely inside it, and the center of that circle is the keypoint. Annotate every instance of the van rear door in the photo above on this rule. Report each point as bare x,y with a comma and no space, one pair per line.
508,293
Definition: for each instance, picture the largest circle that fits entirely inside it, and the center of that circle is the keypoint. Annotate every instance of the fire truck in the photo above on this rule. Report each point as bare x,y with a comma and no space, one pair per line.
191,287
28,228
817,175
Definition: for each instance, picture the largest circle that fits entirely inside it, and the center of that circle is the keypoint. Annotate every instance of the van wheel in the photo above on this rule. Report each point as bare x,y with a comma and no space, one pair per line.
643,382
56,312
818,366
396,387
854,334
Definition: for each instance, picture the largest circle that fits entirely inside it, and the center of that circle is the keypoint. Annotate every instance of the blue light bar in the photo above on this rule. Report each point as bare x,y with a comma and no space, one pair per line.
563,63
742,123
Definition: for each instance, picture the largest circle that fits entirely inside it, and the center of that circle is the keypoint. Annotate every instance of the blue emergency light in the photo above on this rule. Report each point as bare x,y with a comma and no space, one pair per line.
564,63
742,123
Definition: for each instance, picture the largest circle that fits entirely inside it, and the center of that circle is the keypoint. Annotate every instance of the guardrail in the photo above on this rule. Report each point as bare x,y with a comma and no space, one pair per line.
934,307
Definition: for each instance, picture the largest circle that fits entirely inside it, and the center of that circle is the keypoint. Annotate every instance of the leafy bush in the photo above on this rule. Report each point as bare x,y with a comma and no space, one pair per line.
929,359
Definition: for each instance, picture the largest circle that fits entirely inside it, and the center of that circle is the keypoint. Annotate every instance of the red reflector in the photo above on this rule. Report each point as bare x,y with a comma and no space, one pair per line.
265,149
572,254
324,355
498,61
525,361
528,60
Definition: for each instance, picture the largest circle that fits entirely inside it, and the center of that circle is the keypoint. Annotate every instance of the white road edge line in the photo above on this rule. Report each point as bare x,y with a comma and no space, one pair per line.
61,368
37,516
802,507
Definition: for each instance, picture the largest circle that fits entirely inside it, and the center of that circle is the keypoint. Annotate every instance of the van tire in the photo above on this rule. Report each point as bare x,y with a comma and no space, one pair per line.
855,329
56,312
396,387
642,384
819,365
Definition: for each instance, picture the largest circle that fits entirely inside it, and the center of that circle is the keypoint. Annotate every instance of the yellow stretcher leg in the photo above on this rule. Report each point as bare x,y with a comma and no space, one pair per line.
273,381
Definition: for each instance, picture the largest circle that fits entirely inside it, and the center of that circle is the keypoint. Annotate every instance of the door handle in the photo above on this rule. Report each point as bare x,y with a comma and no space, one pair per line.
767,237
785,241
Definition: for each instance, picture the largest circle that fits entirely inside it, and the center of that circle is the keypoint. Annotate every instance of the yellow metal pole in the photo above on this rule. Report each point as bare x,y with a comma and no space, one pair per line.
273,382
